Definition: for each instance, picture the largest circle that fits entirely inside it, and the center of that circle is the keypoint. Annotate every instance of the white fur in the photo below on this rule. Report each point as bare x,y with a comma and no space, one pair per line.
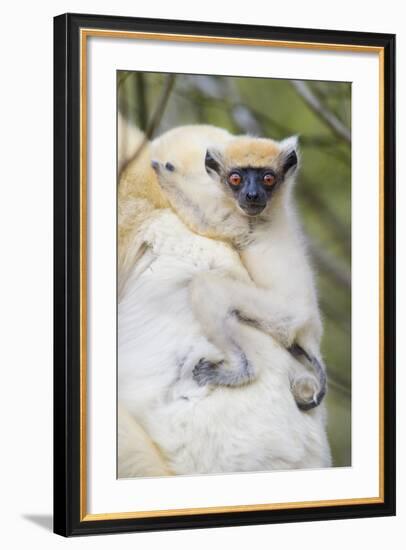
257,426
283,299
137,454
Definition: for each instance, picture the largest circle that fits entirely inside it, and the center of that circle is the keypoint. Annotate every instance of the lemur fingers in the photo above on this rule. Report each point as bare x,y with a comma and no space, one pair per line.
223,374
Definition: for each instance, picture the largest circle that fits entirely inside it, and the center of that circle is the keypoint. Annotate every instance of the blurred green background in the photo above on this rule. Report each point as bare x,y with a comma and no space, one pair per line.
320,114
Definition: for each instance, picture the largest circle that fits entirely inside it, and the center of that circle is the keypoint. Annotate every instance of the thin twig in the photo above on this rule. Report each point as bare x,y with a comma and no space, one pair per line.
157,116
321,110
123,78
252,122
339,319
139,86
159,111
316,203
336,383
330,265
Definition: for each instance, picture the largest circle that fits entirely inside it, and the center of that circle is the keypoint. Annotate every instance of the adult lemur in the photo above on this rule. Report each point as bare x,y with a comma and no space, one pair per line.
176,273
253,210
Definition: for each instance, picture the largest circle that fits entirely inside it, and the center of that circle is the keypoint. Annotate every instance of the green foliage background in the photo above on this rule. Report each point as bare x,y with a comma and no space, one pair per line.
320,114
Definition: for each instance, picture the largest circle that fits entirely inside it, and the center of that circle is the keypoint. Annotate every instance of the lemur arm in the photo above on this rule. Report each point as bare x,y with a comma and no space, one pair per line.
221,304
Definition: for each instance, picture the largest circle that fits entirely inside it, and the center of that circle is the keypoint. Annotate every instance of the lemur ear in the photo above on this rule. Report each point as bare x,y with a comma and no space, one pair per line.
213,162
289,154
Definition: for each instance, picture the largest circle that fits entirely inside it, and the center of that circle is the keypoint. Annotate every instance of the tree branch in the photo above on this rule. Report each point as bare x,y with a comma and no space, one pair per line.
316,203
330,265
122,78
250,120
158,114
139,86
321,110
339,319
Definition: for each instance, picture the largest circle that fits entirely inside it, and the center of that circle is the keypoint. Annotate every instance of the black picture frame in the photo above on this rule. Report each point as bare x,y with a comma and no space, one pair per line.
67,321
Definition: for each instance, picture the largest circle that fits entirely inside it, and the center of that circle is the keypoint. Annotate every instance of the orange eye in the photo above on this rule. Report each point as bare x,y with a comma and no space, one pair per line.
269,179
234,178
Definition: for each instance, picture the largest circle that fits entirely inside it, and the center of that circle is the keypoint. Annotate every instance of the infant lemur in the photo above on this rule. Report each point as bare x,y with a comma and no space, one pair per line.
240,190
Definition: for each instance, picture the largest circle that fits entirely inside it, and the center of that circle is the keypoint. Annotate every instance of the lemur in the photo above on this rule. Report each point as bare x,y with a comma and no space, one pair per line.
164,413
242,192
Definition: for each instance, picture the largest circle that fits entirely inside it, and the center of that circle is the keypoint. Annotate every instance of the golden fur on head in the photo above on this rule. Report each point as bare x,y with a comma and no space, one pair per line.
254,152
185,146
140,196
139,180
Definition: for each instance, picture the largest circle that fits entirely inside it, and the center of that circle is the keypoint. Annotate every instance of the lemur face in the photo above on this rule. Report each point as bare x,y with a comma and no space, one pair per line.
181,189
252,188
168,177
253,170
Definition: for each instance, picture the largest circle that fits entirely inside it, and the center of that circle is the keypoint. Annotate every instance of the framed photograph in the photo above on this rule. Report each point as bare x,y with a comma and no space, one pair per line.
224,252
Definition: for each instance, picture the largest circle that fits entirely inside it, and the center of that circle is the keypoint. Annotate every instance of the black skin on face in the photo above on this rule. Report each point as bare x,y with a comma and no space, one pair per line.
252,187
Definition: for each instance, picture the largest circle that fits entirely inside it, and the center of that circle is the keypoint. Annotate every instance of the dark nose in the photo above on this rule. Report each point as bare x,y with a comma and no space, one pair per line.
252,197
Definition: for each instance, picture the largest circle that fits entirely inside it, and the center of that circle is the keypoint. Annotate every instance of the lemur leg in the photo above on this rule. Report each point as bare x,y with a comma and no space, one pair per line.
235,369
221,304
214,295
308,388
309,380
210,302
